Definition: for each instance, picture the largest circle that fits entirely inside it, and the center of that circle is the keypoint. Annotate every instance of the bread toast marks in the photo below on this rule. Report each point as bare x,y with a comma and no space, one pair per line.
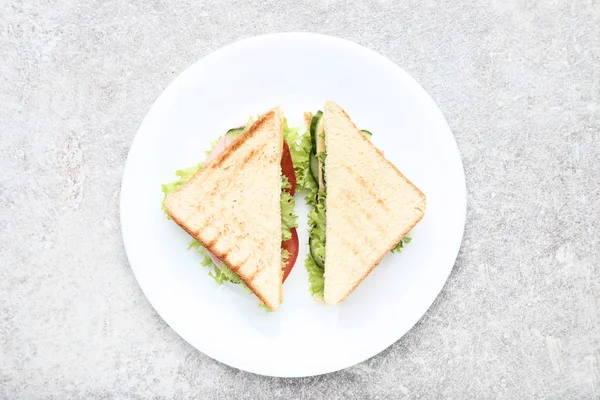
232,207
371,206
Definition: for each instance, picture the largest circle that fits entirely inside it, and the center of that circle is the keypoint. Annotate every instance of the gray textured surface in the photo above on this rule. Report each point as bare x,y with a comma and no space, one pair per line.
519,82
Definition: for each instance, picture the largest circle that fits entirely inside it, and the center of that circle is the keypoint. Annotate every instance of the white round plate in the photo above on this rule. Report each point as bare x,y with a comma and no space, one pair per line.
297,71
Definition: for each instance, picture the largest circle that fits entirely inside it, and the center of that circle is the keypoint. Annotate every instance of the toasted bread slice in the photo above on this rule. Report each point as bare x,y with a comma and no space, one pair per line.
232,207
370,205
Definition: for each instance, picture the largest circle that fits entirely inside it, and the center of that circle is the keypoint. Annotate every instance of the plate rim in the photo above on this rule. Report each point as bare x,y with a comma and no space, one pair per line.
283,36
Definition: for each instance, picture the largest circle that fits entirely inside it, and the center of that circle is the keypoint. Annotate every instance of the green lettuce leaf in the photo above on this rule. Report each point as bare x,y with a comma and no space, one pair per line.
316,222
315,277
300,148
291,135
219,274
285,255
288,217
398,248
313,189
315,197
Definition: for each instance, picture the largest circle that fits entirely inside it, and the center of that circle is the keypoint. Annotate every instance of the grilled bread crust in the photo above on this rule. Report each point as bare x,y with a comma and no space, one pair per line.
371,206
232,207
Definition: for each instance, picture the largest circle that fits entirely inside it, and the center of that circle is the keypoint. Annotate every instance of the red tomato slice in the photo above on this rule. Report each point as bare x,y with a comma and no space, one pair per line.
287,167
292,247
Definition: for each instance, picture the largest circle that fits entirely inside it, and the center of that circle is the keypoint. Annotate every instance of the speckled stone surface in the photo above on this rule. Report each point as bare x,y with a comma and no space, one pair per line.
518,81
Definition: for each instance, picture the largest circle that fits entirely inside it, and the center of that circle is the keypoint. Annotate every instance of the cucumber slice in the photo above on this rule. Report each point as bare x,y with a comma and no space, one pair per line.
313,128
366,133
319,137
314,167
318,261
234,133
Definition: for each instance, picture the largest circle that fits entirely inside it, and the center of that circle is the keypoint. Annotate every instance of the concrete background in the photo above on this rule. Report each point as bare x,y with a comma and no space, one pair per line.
518,81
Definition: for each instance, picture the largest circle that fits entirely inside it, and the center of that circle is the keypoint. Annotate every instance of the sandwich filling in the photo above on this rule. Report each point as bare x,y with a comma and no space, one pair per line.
310,170
219,271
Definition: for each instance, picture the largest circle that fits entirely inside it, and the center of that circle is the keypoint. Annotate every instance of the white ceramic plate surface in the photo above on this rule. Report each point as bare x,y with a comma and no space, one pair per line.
299,72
